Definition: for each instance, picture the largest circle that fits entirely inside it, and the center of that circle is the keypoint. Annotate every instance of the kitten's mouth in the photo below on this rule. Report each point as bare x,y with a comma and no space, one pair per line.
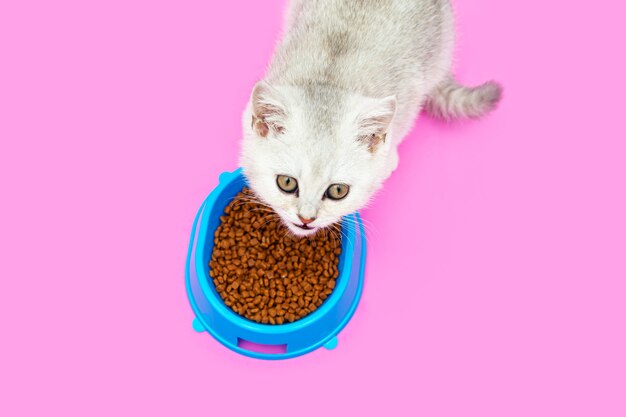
304,226
302,229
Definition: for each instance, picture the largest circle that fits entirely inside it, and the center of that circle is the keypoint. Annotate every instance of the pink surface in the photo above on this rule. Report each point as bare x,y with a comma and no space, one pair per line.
496,274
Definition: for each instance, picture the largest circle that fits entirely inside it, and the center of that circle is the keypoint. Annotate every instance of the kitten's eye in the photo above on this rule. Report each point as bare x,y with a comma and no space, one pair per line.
337,191
287,184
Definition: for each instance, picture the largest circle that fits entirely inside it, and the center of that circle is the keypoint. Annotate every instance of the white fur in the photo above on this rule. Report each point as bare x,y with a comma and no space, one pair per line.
345,71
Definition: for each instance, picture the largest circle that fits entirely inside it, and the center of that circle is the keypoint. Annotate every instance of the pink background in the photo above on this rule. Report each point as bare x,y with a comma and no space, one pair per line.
496,274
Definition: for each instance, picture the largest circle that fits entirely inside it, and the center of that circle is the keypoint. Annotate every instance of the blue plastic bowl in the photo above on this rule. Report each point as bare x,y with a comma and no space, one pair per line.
249,338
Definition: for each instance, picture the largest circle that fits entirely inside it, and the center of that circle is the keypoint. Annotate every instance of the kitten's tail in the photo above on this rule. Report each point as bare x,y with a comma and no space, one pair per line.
450,100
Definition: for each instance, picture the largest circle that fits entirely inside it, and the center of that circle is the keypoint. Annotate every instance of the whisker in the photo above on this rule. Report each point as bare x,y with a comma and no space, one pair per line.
332,230
271,219
244,202
368,227
341,232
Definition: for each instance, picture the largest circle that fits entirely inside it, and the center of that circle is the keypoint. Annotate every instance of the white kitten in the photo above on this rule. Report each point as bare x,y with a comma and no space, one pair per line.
343,88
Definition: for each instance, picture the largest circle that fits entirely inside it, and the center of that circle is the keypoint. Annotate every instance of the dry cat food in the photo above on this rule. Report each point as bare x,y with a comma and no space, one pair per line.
262,272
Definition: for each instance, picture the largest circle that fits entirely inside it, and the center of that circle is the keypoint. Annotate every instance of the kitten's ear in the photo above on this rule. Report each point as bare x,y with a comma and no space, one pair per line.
268,110
373,121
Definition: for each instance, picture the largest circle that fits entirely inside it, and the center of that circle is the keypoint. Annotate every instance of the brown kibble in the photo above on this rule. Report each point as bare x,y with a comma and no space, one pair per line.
267,276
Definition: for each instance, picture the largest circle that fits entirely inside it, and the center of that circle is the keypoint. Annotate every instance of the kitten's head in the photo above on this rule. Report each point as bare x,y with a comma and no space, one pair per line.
314,154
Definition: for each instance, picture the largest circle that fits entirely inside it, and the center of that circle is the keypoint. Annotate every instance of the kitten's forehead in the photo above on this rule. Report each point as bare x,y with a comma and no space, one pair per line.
318,169
322,108
322,161
318,147
314,170
314,166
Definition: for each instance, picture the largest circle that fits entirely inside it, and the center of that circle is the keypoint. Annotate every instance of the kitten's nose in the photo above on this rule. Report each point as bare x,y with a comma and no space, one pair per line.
306,221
